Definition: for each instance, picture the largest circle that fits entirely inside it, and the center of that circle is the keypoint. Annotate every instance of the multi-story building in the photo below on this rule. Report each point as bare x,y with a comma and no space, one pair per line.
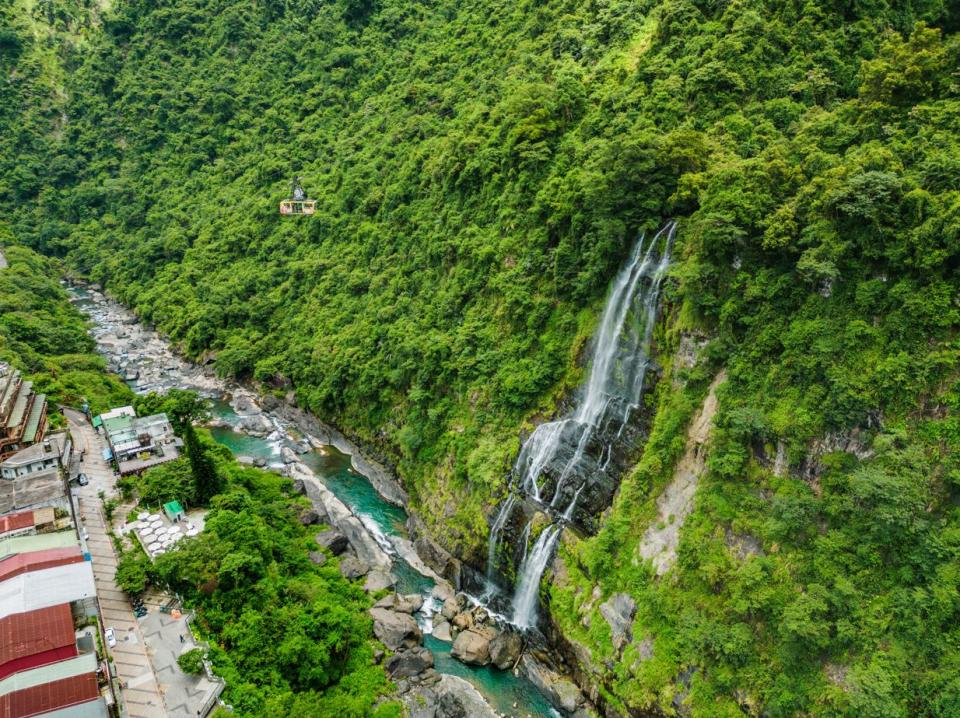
137,443
35,476
23,412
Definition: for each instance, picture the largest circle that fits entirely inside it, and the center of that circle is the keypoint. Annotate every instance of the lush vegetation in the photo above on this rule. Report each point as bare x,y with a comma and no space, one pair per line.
481,169
45,336
290,638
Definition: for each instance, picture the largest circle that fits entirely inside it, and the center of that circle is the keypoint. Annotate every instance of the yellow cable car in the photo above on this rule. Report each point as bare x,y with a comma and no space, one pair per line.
298,202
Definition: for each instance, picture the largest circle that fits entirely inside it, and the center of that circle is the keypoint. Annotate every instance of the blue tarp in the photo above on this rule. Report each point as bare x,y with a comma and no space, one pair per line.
107,454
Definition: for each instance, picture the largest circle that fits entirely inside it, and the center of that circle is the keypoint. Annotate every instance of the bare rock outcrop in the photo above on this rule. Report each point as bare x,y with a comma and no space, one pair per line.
660,541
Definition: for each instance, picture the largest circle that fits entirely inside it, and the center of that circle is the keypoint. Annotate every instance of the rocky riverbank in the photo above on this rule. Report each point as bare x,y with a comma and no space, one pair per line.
145,360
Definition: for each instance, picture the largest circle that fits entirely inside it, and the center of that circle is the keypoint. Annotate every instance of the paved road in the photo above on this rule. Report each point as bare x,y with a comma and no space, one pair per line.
141,695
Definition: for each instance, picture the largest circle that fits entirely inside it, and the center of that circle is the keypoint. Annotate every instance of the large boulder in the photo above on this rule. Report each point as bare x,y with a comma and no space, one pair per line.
454,605
567,695
318,557
333,541
441,631
473,645
409,663
288,455
438,559
463,621
560,690
310,517
505,649
298,487
459,699
395,630
409,603
256,424
352,568
618,611
378,580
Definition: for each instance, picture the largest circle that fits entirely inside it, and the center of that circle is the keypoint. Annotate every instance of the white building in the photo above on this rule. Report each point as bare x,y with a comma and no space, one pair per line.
48,455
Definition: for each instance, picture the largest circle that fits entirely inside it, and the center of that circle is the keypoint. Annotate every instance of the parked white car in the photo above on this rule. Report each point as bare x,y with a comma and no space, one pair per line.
111,638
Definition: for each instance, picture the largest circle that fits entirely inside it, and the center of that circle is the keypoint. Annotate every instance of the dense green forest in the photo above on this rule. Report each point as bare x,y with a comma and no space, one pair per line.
45,337
482,169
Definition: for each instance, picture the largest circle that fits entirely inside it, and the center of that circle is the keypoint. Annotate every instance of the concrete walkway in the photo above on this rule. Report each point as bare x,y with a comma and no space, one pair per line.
186,696
131,658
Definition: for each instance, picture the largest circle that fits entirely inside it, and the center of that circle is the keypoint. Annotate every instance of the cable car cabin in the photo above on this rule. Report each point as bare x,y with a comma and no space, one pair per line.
298,206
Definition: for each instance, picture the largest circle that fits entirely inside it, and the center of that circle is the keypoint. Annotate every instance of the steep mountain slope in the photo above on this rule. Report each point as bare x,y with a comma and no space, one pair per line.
482,169
45,337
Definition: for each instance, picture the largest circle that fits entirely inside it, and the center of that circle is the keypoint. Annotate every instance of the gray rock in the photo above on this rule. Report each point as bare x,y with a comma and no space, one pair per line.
567,695
442,591
505,649
288,455
454,605
409,603
377,580
242,404
299,487
463,621
473,645
259,462
560,690
333,541
430,676
395,630
256,424
318,557
409,663
618,611
441,631
459,699
309,518
439,559
352,567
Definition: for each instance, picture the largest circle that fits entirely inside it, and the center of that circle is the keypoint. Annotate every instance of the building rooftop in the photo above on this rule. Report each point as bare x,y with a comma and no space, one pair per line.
17,521
48,587
26,520
7,394
119,411
91,709
37,542
37,412
35,489
131,466
15,417
36,638
20,563
51,448
52,687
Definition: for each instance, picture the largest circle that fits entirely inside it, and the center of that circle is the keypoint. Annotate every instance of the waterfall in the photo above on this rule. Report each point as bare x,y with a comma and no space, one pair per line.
613,390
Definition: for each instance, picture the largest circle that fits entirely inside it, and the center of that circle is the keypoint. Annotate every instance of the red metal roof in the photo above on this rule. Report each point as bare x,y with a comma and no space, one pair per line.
38,560
36,638
49,696
17,521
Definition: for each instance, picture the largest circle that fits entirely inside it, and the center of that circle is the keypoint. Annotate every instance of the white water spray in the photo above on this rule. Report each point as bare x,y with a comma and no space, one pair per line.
612,391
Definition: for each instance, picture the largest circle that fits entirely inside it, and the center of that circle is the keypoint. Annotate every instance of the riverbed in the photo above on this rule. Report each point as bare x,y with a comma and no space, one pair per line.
147,363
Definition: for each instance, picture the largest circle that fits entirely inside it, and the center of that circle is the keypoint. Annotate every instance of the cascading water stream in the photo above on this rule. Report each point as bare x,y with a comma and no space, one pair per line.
612,391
